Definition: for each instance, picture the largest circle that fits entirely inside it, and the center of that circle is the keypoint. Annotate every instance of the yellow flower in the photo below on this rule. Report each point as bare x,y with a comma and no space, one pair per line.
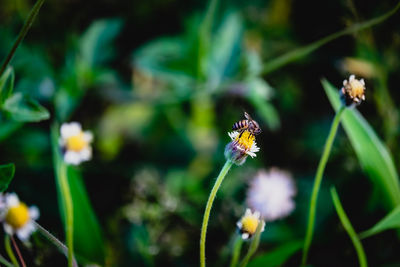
75,143
242,145
248,224
17,217
353,91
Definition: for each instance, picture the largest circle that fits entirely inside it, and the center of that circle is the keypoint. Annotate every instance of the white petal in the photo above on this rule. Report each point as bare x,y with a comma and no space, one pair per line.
70,129
88,136
72,157
12,199
245,235
8,229
352,77
86,154
233,135
34,212
25,232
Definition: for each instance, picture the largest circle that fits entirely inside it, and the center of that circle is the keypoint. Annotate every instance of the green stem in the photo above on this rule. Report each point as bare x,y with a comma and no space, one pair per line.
5,262
220,178
55,241
349,229
236,250
317,183
298,53
254,245
9,250
69,212
22,33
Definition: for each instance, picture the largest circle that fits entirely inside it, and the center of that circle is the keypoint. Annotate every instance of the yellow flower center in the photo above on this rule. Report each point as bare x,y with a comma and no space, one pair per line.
17,216
356,88
245,140
249,224
76,142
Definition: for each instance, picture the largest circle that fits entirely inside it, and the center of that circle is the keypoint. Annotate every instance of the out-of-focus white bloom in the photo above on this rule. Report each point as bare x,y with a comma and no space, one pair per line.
16,217
248,224
75,143
271,193
242,145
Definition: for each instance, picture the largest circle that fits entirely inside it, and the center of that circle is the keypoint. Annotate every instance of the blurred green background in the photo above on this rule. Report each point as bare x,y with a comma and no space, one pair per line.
161,82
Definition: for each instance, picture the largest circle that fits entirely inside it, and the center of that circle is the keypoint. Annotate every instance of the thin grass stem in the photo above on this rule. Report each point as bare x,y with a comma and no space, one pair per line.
220,178
5,262
237,247
9,250
22,34
317,184
63,248
362,259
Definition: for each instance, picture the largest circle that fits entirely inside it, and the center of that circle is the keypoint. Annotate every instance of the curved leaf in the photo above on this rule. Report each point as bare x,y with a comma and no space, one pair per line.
6,175
390,221
25,109
372,154
278,256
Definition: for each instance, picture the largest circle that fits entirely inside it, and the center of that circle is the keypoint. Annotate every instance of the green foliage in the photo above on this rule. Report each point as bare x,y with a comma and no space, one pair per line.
6,175
22,108
6,84
390,221
349,228
88,240
277,256
373,155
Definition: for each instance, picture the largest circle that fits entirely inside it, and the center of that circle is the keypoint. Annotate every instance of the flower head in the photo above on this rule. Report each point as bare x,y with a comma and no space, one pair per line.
75,143
243,144
353,91
248,224
17,217
271,193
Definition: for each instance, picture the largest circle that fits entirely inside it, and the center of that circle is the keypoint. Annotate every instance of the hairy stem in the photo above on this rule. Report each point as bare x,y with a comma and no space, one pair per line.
220,178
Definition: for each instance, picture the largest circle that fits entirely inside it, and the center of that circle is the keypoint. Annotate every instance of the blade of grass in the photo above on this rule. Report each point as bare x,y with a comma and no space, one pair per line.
22,34
301,52
349,229
371,152
390,221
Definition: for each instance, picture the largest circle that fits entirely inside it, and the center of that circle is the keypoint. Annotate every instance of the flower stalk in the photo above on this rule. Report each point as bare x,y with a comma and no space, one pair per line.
317,183
237,247
225,169
69,212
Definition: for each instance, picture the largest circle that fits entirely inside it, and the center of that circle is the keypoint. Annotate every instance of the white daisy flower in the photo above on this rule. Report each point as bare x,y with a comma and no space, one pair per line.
75,143
17,217
271,193
242,145
353,91
248,224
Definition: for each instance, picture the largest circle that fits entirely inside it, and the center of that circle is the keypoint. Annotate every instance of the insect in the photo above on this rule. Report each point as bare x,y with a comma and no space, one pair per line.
248,124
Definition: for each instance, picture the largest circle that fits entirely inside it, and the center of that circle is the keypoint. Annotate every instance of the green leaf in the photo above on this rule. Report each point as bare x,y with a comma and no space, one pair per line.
25,109
6,175
372,154
349,229
95,44
88,239
6,84
278,256
390,221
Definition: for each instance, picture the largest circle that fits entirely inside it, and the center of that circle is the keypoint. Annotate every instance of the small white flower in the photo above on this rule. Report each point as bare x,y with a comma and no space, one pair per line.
17,218
75,143
248,224
271,193
242,145
353,91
